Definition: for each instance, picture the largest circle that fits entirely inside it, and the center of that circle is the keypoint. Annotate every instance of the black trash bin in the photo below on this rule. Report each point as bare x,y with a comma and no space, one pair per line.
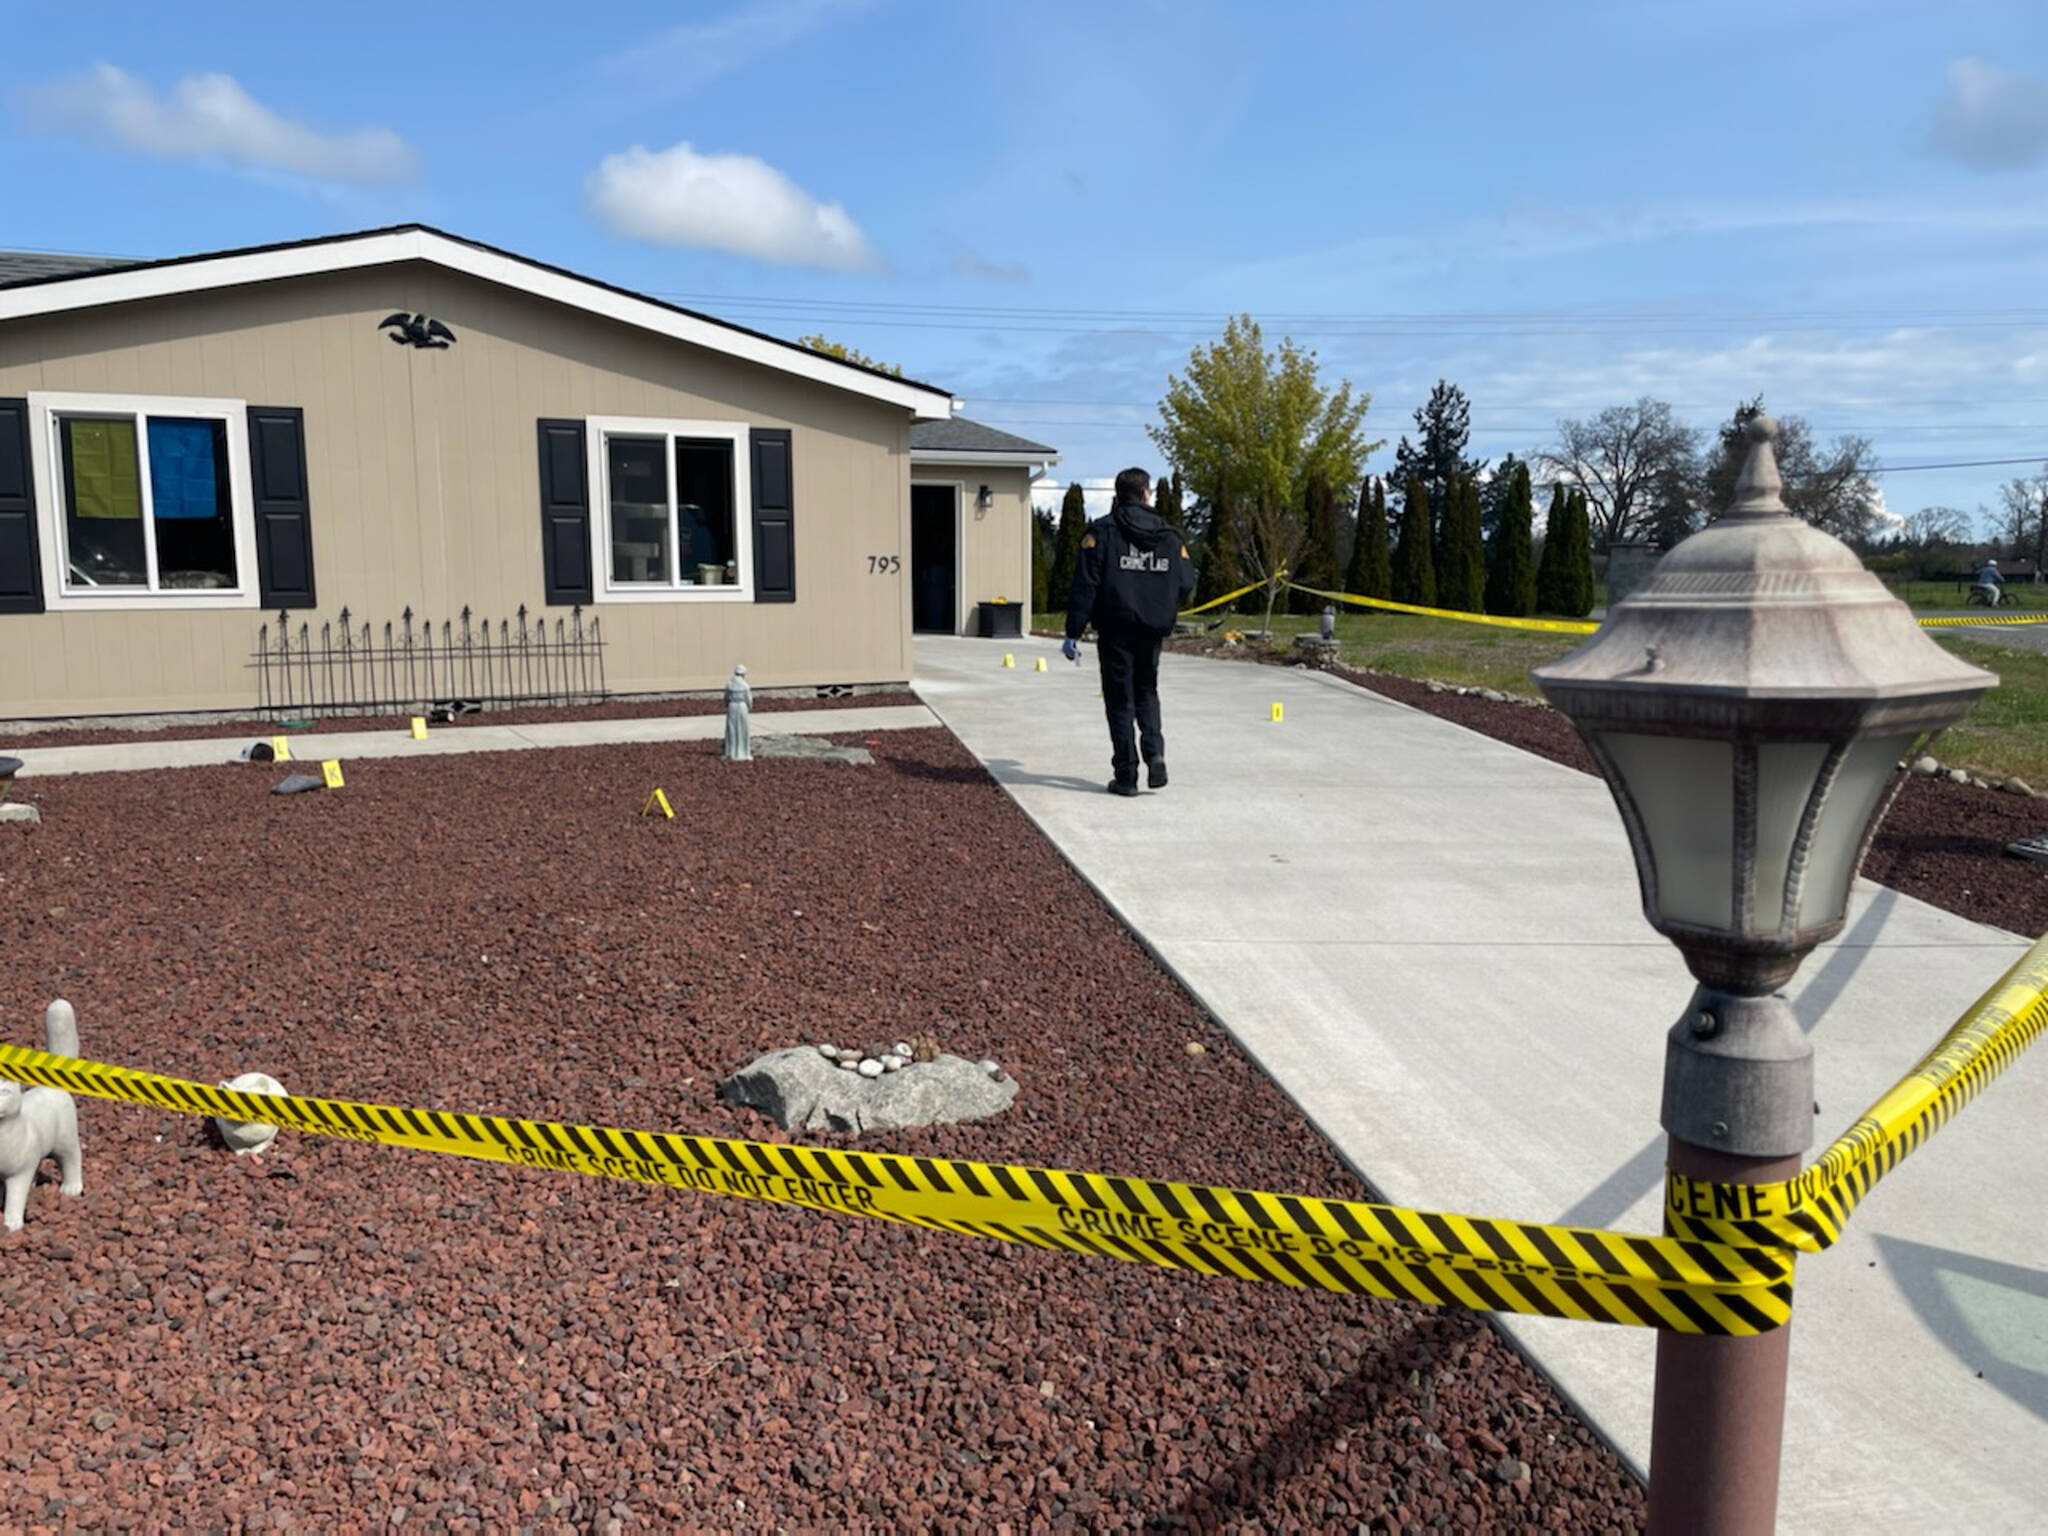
1002,620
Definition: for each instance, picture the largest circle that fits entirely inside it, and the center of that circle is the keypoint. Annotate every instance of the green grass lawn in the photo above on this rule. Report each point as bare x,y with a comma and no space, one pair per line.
2005,733
1953,594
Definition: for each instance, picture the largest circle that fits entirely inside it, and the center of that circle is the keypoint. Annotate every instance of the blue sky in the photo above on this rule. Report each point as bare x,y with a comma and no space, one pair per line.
1842,204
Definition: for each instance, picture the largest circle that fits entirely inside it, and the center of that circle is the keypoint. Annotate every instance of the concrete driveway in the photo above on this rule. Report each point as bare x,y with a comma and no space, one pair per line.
1433,942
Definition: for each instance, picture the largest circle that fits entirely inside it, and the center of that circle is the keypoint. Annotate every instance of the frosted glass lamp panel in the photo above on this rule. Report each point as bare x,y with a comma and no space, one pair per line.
1860,784
1785,775
1684,791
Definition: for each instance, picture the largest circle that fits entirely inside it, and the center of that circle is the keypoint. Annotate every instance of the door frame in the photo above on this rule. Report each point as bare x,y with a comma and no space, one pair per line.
959,490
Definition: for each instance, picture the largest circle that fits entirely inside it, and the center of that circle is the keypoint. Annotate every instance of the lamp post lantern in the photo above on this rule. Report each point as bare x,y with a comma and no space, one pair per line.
1748,705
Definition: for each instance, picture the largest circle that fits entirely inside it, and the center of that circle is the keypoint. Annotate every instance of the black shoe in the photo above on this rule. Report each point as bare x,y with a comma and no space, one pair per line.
1125,787
1155,774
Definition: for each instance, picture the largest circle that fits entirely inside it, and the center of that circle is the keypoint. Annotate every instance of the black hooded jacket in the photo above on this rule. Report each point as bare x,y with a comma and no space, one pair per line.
1132,577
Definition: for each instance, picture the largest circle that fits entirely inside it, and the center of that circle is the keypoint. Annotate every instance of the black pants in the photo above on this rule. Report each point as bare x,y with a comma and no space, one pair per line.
1130,696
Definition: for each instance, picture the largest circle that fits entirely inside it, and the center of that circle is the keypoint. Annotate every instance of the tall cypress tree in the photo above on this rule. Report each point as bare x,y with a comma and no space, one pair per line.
1578,559
1414,572
1461,578
1220,561
1318,563
1067,554
1553,589
1372,570
1166,501
1510,572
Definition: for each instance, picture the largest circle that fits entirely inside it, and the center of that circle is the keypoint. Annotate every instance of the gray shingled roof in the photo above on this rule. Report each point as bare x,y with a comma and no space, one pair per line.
960,435
32,266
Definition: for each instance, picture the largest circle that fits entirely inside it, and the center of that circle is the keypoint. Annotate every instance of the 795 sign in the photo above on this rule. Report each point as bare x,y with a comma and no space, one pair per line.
884,565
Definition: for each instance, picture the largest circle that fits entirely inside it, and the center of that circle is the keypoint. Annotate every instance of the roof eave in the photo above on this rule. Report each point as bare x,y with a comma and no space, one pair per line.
341,253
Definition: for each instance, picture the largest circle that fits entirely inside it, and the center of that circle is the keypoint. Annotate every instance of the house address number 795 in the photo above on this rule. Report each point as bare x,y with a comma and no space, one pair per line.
884,565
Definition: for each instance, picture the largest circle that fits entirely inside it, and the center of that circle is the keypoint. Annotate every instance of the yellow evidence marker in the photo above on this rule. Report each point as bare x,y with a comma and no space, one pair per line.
1041,665
658,802
1009,660
1276,713
281,748
330,773
419,727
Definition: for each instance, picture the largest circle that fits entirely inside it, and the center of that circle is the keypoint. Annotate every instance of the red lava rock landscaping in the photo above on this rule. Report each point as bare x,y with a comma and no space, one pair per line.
340,1337
1941,842
22,738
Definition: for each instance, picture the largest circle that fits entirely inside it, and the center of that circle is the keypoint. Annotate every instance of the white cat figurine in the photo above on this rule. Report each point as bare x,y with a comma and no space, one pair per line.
34,1125
40,1123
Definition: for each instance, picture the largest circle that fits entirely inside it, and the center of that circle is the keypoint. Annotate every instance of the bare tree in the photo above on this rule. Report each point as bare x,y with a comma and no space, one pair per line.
1833,488
1269,536
2023,503
1935,528
1627,460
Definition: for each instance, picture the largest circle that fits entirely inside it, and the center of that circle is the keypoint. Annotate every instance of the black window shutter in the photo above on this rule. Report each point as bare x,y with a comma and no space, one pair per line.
284,516
21,564
774,518
564,513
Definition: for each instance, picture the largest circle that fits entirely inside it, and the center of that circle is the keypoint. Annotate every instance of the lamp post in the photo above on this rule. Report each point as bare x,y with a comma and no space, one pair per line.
1748,705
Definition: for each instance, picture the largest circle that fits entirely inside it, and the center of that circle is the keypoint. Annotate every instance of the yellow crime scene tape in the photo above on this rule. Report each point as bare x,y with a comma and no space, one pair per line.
1547,626
1727,1269
1809,1211
1353,1247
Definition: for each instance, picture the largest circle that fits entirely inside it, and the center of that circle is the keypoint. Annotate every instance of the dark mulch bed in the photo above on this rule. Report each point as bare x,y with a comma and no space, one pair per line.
21,738
333,1333
1942,842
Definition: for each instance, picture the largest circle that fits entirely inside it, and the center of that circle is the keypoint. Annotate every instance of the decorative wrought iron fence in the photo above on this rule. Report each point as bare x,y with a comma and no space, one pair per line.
413,668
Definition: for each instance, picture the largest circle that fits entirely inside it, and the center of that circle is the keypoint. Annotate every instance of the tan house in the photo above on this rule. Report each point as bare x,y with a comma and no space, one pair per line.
970,526
453,442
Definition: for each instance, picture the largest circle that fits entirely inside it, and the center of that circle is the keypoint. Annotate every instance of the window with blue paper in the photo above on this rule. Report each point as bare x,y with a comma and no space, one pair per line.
147,503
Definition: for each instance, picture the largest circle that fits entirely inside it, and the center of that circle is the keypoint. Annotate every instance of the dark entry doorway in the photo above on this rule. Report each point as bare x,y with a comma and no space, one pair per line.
934,559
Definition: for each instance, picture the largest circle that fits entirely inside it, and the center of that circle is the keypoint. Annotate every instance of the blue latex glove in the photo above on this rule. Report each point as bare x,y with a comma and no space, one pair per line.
1071,649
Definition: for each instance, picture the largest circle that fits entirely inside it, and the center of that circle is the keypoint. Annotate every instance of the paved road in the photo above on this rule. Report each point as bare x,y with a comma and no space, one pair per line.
1434,944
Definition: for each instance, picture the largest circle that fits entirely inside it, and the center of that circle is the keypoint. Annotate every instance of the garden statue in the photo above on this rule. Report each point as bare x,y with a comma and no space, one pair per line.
738,699
240,1136
40,1122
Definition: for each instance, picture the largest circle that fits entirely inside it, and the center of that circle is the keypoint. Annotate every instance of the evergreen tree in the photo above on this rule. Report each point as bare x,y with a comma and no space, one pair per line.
1443,424
1553,593
1578,559
1372,570
1166,501
1414,572
1461,578
1041,572
1220,563
1067,554
1494,493
1510,572
1318,567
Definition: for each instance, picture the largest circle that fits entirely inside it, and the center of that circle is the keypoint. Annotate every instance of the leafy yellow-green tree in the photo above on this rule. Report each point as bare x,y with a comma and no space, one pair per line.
846,354
1262,419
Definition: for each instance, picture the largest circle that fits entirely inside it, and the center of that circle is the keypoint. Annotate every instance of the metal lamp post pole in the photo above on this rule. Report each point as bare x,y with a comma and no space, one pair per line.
1738,1105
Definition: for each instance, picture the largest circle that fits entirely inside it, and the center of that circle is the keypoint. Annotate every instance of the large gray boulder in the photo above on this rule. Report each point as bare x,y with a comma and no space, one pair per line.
801,1090
812,748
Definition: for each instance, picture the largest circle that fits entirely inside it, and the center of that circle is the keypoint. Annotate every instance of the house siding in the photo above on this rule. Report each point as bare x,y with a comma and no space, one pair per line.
995,549
422,476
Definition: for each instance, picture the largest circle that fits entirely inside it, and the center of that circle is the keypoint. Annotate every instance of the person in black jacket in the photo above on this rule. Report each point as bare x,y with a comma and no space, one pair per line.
1132,577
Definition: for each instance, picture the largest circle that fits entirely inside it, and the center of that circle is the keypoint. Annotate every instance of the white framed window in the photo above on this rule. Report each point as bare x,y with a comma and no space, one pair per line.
143,501
673,505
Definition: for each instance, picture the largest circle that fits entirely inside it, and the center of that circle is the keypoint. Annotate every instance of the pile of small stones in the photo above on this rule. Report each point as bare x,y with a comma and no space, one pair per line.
1930,767
875,1060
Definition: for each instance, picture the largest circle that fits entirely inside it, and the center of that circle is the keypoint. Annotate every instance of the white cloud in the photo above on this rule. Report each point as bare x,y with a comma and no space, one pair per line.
736,203
212,117
683,58
1991,120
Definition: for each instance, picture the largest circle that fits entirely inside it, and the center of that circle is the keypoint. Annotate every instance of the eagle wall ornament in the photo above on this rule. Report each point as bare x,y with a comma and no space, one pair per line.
416,330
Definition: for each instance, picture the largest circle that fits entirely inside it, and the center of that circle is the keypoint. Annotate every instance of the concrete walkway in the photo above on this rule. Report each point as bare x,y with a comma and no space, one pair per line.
1433,942
396,741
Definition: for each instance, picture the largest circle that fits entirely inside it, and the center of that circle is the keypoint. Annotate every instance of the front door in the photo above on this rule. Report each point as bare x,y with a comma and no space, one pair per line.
934,559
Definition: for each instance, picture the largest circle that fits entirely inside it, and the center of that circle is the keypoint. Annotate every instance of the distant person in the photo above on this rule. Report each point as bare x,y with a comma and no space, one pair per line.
1992,583
1132,577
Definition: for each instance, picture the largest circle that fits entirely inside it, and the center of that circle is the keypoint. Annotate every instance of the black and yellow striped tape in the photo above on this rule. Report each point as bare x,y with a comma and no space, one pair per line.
1433,1257
1809,1211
